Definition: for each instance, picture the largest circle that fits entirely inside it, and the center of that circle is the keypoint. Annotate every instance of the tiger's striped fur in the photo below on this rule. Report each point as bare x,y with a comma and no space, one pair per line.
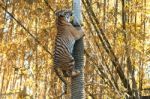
64,43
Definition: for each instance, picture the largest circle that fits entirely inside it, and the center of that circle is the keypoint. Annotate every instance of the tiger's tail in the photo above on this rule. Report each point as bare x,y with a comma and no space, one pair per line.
63,80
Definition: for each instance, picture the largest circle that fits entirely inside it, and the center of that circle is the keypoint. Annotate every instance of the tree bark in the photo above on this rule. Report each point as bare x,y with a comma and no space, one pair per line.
77,83
107,46
128,52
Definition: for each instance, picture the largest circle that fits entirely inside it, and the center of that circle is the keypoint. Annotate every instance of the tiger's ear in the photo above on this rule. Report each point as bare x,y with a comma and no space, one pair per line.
60,13
69,11
63,12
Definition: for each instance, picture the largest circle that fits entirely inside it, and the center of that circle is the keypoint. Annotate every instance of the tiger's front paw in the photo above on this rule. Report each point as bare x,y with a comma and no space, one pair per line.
75,73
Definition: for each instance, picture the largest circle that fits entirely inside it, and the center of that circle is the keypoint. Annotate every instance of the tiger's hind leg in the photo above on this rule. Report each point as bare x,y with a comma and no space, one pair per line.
71,73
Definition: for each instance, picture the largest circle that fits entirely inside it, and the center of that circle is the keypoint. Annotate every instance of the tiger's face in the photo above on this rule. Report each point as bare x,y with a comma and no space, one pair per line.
66,14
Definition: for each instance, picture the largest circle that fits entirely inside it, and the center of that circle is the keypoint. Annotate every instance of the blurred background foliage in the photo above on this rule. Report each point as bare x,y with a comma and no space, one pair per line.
26,68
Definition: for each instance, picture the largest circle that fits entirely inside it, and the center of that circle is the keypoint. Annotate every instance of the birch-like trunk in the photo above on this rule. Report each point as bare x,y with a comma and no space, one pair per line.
77,83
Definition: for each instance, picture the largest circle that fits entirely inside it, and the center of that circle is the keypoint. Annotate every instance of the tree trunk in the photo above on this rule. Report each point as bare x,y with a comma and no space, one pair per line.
77,83
106,45
128,52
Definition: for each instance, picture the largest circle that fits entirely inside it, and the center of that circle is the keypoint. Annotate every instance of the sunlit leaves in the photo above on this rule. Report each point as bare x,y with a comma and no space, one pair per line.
24,63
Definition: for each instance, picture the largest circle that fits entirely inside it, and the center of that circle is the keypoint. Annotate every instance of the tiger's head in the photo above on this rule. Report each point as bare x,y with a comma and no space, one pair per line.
64,14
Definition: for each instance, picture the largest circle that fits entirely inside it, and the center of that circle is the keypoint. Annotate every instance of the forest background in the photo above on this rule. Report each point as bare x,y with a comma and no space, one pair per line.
115,33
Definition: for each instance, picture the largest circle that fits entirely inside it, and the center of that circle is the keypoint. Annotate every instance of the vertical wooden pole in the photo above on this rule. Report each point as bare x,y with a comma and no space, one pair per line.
77,83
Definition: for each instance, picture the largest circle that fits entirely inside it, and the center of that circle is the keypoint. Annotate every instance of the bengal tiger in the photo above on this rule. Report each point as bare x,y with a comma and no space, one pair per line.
66,37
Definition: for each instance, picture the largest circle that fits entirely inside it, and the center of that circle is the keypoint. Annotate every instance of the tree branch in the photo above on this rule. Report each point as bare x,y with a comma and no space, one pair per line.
4,8
107,46
46,2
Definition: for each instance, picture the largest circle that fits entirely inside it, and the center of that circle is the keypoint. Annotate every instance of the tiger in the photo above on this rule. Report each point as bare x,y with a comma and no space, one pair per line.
65,39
